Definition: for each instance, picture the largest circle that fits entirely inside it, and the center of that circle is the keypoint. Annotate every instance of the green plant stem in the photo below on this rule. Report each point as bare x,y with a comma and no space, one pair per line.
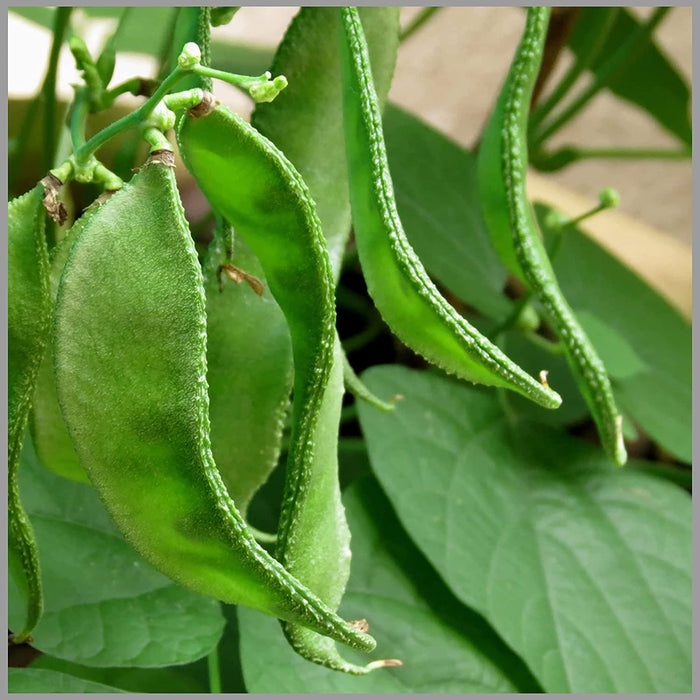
214,671
581,64
511,318
359,340
48,90
640,153
418,21
612,67
130,120
79,115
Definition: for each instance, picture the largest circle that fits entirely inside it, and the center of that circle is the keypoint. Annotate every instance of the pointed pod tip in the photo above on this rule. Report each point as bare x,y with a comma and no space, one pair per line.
384,663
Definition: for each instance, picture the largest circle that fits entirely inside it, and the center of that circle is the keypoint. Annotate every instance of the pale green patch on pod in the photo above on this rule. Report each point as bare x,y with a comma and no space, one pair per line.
28,323
396,280
249,371
130,355
502,170
52,442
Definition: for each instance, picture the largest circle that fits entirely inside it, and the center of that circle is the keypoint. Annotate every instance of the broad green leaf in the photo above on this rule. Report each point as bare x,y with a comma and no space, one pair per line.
189,678
436,193
34,680
650,80
104,605
444,646
658,398
584,569
306,120
241,58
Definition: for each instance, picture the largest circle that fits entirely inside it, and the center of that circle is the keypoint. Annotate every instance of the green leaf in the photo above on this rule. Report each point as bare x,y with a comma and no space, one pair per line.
306,120
34,680
444,646
584,569
104,606
619,357
658,398
650,81
240,58
436,193
189,678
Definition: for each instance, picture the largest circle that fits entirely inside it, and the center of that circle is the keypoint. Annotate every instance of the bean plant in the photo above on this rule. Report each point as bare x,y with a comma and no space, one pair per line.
320,401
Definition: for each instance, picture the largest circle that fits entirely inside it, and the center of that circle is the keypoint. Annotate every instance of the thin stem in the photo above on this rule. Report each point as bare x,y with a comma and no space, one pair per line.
214,671
554,348
645,153
48,90
418,21
81,108
130,120
133,85
582,63
608,71
511,318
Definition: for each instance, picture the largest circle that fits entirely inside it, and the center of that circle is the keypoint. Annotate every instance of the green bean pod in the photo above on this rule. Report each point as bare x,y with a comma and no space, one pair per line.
502,167
28,325
251,183
130,360
50,437
397,281
312,104
249,371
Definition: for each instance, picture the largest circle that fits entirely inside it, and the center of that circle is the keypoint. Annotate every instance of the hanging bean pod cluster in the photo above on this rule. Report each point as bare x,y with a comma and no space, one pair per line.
167,380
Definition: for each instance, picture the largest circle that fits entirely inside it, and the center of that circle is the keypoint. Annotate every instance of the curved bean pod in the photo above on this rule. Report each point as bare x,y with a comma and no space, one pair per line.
252,184
249,372
28,324
397,281
502,166
50,436
130,356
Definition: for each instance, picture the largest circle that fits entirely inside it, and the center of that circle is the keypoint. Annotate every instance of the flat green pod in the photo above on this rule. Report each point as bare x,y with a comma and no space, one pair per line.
305,121
251,183
249,371
28,322
130,356
396,280
501,171
52,442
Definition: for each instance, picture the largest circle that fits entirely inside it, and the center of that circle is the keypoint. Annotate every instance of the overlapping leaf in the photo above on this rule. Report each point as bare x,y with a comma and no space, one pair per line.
584,569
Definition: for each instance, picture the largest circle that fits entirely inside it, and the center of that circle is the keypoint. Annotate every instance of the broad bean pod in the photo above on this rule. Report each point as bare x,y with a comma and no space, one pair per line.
251,183
28,323
397,281
502,166
130,357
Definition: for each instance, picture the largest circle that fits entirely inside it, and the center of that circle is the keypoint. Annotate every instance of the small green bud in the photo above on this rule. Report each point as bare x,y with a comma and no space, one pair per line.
555,220
608,197
268,90
160,118
191,56
528,319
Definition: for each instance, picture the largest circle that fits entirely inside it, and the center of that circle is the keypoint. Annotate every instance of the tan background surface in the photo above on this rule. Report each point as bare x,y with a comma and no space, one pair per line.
449,73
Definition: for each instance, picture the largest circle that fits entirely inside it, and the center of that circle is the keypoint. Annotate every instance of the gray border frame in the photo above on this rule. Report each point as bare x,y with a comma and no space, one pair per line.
277,3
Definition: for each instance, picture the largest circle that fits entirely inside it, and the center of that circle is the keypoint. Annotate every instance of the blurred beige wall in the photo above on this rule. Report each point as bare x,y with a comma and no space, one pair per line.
449,73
